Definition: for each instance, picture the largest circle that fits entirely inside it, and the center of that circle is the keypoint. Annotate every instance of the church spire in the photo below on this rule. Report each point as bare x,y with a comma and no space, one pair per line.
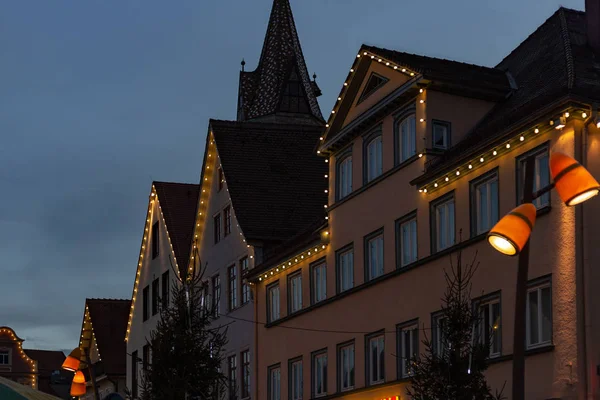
281,82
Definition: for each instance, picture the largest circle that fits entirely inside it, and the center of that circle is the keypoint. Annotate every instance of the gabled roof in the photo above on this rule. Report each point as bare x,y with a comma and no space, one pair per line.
275,179
47,360
109,320
261,90
552,66
178,202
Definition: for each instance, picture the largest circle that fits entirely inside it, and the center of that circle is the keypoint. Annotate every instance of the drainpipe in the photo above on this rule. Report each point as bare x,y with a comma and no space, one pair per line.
255,353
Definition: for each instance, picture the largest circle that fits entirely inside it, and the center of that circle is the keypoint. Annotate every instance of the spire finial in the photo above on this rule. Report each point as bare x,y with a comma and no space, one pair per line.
315,76
243,64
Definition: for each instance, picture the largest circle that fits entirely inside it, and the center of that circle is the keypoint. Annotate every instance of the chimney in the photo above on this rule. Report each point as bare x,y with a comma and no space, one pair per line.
592,17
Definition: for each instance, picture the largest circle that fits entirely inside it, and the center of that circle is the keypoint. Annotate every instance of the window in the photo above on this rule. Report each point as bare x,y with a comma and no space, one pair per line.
441,135
346,366
145,356
295,292
373,158
344,177
373,84
227,221
245,286
232,377
216,284
489,325
294,98
4,359
275,383
443,222
134,374
438,326
319,282
374,255
484,203
165,289
295,377
245,374
204,297
345,268
408,347
155,239
406,138
319,373
406,240
217,227
541,178
221,178
539,315
145,299
375,359
273,302
155,294
232,287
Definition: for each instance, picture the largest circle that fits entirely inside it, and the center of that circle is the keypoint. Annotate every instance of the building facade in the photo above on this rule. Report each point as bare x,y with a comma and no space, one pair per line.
15,364
424,155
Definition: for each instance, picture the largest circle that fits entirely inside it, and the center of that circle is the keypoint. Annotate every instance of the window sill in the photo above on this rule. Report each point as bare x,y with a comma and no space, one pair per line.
529,352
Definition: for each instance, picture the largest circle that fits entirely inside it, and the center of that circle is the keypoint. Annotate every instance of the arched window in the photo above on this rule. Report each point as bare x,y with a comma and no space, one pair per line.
344,176
373,158
406,131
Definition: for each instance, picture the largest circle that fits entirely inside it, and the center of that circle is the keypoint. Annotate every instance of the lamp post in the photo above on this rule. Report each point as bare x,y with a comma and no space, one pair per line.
510,236
72,363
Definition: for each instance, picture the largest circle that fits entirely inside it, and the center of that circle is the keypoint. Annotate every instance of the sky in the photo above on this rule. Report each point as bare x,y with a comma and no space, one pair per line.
98,98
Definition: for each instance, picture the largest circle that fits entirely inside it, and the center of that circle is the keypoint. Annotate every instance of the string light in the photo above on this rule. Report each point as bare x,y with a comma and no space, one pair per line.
297,259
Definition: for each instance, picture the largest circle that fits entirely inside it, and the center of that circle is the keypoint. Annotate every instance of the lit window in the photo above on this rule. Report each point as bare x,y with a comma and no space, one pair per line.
539,315
373,158
275,383
345,269
273,295
344,177
320,374
296,380
227,221
245,374
233,287
346,363
216,286
245,286
484,197
406,131
319,282
408,342
441,135
439,328
443,215
374,255
541,178
155,240
375,359
489,325
406,231
295,292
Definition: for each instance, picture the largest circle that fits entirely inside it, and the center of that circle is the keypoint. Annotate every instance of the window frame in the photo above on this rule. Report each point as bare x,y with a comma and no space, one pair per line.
400,328
349,248
245,288
448,126
245,384
155,240
290,295
443,199
226,221
368,338
291,363
145,357
145,305
155,295
232,284
340,366
538,284
165,289
232,382
339,161
399,247
474,184
217,227
399,119
270,370
8,357
519,164
489,300
321,263
368,238
313,372
367,93
268,290
376,133
435,335
216,297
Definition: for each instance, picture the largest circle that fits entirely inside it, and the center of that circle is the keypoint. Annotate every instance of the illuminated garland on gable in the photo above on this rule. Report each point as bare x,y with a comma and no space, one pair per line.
293,261
32,363
87,319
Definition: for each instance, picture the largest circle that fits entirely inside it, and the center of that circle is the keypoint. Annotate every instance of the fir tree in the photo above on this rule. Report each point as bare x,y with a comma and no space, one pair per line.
456,370
187,350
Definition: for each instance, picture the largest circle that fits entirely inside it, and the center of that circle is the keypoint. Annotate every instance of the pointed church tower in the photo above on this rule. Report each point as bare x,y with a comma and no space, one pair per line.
280,86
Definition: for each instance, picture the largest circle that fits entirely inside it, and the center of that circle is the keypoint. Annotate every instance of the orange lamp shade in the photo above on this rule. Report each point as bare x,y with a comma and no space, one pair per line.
77,389
512,232
79,377
72,361
573,182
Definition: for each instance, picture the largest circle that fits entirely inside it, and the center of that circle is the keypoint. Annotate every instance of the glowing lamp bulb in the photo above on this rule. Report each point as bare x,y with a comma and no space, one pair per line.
457,173
522,138
447,179
481,159
435,185
495,152
470,166
508,145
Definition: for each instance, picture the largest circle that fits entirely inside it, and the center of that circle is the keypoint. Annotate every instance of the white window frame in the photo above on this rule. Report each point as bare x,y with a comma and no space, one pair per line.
407,137
376,343
344,177
7,353
296,381
540,154
320,374
319,280
377,270
539,290
412,331
438,334
407,230
275,383
347,369
295,292
486,327
345,259
486,182
446,135
232,379
449,233
273,294
374,158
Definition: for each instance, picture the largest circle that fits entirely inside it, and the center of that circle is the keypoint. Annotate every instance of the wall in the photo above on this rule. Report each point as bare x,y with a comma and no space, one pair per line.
20,369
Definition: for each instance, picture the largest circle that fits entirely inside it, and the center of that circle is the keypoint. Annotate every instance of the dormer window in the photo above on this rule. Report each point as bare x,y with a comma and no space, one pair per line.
4,357
441,135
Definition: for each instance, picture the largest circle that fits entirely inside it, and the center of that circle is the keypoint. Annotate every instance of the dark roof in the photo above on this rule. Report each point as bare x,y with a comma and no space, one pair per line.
554,64
109,320
275,178
451,73
47,360
178,203
261,90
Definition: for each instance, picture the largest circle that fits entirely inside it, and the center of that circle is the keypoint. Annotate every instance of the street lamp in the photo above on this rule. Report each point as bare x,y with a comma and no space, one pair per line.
510,236
72,363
